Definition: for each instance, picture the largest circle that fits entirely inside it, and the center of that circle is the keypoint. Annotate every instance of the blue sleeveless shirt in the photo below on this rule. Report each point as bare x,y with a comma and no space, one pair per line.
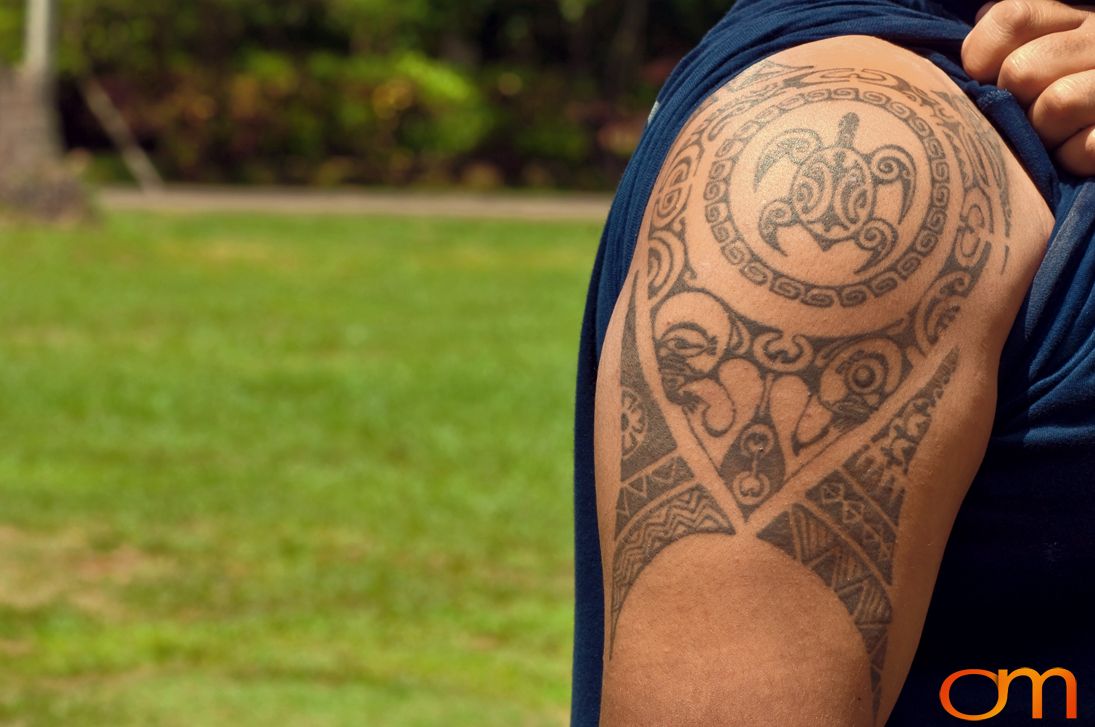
1015,588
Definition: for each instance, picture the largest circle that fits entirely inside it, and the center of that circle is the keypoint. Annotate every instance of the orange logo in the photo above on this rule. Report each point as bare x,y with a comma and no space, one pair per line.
1003,679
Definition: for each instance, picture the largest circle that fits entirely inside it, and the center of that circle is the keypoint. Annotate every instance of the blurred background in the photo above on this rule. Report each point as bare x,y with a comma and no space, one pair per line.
533,93
291,294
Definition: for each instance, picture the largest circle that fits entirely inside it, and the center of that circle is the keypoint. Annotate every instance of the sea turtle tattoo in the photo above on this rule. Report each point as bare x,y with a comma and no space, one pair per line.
834,190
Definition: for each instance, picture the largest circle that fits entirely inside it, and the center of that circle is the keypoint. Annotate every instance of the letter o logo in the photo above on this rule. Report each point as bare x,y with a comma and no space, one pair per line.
945,695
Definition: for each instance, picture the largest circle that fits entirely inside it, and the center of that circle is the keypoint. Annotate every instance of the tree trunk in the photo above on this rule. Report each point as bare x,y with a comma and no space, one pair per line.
33,177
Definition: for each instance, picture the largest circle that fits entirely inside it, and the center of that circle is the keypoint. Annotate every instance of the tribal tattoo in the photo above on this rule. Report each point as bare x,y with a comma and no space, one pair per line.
845,532
840,262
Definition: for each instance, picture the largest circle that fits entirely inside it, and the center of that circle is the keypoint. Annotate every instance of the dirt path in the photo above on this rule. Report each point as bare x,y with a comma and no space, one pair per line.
280,200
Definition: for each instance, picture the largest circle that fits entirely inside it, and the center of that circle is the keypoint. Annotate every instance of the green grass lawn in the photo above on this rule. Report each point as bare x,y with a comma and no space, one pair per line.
287,471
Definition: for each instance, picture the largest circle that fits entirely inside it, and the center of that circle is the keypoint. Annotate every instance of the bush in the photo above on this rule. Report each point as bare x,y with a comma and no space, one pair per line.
533,92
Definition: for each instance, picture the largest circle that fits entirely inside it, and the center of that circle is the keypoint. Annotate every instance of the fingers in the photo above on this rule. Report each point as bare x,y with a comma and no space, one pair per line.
1029,70
1008,25
1077,155
1064,108
1043,51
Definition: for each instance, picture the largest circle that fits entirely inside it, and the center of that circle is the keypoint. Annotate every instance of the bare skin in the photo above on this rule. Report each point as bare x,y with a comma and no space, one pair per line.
797,387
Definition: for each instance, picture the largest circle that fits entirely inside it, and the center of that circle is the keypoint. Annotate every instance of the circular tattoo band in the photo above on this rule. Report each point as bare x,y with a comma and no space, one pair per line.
886,165
762,398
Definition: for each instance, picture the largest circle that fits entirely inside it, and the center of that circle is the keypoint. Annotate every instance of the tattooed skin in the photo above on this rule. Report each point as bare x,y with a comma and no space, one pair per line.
838,265
845,531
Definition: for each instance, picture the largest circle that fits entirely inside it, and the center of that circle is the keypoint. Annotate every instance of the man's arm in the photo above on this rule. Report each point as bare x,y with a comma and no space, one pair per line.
797,387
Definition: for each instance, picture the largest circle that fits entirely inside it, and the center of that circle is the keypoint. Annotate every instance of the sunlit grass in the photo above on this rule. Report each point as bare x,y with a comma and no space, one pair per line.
292,471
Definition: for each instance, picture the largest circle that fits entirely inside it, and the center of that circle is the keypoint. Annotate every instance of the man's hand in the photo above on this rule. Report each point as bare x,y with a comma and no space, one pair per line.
1043,51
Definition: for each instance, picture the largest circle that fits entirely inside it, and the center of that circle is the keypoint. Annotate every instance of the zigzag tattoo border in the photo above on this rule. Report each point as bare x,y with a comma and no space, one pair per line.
689,512
879,471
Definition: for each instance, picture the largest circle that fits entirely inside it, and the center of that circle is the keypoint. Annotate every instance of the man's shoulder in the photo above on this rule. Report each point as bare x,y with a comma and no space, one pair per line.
837,176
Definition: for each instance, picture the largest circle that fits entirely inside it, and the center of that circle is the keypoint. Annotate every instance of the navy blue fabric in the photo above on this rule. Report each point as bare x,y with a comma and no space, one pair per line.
1014,588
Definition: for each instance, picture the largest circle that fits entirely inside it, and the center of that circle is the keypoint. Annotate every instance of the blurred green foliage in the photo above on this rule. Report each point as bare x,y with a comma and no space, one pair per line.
479,92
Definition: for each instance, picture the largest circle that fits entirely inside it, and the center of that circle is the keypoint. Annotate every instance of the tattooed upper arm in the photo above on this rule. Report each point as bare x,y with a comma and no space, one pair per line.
797,386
